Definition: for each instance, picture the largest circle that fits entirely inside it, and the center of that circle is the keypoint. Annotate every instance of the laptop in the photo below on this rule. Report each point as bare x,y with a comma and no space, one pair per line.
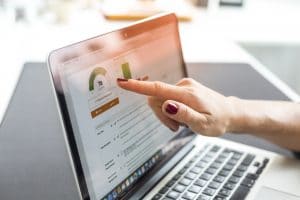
119,149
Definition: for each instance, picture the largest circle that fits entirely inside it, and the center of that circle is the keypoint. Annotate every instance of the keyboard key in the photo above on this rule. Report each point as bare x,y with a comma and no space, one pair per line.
189,195
229,186
232,161
210,154
205,176
200,182
182,171
238,173
193,159
234,179
179,188
220,160
203,197
248,159
211,171
188,164
156,197
219,179
195,189
224,155
214,185
256,164
215,148
176,177
259,170
224,192
173,195
215,165
201,164
252,176
191,176
242,168
236,152
219,198
209,191
185,181
224,173
170,183
198,154
163,190
206,159
240,193
196,170
237,156
228,167
248,182
227,150
265,162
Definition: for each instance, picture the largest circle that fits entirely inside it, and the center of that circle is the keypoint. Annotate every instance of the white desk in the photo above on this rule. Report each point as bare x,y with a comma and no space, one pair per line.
212,36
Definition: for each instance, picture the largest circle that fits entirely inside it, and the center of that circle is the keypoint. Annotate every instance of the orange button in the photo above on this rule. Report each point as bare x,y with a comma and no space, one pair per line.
105,107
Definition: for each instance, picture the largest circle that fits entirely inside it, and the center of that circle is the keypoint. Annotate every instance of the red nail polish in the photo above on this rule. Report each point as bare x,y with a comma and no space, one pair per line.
122,79
171,109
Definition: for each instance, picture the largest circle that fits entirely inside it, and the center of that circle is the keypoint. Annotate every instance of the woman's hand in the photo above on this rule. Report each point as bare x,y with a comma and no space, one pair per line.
187,103
210,113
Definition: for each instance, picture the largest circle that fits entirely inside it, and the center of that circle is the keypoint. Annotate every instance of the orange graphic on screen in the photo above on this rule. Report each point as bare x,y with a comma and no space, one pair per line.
101,96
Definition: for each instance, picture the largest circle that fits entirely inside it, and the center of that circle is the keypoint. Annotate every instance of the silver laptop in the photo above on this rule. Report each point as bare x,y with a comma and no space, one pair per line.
119,149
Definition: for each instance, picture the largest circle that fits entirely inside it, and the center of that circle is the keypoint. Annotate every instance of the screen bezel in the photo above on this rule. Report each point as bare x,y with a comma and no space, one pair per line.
54,59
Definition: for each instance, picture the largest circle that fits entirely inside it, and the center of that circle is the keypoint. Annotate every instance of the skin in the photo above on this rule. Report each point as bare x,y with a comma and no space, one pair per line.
211,114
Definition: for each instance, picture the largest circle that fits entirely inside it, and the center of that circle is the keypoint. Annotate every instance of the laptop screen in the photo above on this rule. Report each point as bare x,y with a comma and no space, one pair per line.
116,135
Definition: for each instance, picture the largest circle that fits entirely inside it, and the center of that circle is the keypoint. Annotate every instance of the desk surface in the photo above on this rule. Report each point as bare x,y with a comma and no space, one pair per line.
211,36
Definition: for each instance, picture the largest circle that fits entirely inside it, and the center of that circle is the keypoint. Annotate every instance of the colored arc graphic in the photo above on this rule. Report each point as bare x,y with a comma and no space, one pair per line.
97,71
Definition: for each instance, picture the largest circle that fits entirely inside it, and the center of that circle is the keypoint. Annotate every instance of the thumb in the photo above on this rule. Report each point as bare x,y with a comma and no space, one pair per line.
184,114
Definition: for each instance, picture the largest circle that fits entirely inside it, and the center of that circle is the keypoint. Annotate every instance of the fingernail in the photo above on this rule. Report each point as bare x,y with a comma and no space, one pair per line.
171,109
122,79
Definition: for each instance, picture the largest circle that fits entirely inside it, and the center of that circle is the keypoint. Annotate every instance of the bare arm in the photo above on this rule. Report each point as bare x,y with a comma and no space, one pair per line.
210,113
278,122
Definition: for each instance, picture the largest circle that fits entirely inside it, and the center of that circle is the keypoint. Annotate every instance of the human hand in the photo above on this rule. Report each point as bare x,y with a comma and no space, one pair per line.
188,102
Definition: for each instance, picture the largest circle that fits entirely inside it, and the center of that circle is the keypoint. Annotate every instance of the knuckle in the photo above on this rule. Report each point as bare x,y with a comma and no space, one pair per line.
189,95
158,86
201,128
191,90
186,81
183,81
204,128
186,116
208,128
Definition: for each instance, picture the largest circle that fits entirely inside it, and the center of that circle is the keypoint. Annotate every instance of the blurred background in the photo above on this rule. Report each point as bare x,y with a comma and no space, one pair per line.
268,29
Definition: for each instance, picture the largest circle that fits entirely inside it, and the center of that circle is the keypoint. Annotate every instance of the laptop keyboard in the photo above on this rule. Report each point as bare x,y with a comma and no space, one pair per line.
214,174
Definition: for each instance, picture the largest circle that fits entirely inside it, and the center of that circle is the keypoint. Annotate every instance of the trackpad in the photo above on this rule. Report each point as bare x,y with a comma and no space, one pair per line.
269,193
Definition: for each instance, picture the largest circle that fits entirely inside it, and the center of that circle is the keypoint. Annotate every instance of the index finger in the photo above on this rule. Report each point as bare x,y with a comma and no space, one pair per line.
155,88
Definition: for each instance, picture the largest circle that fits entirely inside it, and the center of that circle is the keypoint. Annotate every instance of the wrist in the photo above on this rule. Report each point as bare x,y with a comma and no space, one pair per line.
235,116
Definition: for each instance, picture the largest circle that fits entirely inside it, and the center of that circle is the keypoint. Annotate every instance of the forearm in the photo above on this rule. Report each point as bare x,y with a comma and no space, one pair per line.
278,122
